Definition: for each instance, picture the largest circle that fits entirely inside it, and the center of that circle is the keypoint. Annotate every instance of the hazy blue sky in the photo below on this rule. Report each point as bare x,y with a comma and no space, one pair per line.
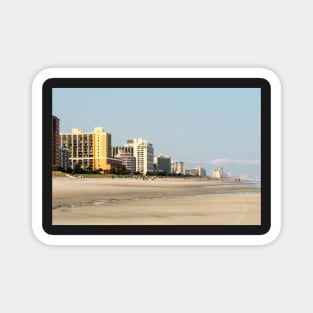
206,127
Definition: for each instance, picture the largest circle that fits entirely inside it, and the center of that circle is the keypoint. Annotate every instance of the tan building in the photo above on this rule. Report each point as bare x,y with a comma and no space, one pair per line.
218,173
92,151
178,168
196,171
126,154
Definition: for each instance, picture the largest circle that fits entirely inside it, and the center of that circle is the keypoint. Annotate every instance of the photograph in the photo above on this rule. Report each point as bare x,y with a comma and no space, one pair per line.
156,156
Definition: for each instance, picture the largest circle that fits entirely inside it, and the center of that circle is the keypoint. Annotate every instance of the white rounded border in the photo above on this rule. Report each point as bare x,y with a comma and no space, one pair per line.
270,236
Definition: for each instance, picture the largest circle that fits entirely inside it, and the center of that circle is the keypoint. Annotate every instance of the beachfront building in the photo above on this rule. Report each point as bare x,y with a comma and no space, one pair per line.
227,175
125,149
178,168
162,163
218,173
55,141
126,154
143,152
102,149
196,171
92,151
64,158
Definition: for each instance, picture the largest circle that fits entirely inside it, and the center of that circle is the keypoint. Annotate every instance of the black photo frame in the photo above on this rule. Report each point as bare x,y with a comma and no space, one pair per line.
261,83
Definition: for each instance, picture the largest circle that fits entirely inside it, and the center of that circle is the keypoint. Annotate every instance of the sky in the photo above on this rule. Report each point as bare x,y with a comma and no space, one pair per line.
206,127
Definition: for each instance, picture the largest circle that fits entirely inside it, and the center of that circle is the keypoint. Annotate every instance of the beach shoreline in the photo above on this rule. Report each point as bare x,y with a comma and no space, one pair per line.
163,201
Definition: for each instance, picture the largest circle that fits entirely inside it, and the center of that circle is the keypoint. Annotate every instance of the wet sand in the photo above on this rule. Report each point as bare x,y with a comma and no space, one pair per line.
169,201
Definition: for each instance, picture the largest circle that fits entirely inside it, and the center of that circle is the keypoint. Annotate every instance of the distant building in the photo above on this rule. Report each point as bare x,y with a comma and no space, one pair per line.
162,163
218,173
114,163
92,151
227,174
126,154
178,168
143,152
196,171
55,141
102,149
125,149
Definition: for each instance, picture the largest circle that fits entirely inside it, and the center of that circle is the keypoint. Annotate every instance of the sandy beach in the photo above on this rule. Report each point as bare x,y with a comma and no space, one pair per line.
166,201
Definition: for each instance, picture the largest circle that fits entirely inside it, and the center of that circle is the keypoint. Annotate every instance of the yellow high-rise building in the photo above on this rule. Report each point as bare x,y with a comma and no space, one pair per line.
92,151
102,149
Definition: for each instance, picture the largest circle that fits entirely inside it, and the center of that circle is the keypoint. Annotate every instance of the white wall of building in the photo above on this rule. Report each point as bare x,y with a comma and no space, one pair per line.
143,152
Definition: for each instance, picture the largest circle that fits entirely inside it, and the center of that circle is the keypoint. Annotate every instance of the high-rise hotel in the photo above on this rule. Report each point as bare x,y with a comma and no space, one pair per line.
143,152
162,163
178,167
126,154
92,151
